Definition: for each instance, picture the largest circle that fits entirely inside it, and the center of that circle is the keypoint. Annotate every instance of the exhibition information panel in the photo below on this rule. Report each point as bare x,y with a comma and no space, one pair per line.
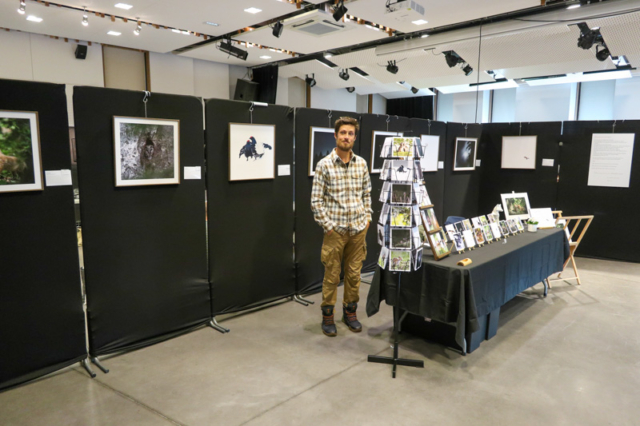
459,295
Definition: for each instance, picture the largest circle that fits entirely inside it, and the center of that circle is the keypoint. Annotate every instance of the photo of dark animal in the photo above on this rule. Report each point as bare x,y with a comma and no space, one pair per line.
249,149
149,151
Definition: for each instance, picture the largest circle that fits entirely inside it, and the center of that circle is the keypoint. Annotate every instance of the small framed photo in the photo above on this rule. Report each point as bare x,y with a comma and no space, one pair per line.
493,217
467,224
483,220
377,143
504,228
439,245
519,152
495,227
401,193
20,157
516,205
512,226
322,140
459,241
382,259
465,154
487,232
468,239
478,235
519,225
401,216
252,151
400,260
450,231
476,221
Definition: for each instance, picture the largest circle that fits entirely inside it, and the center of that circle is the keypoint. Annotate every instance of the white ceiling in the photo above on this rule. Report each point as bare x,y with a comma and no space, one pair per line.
533,50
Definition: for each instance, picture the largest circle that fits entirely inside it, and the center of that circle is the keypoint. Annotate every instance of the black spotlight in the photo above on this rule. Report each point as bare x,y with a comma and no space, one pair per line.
277,29
467,69
344,74
311,81
414,90
392,67
339,11
452,58
603,53
588,36
351,89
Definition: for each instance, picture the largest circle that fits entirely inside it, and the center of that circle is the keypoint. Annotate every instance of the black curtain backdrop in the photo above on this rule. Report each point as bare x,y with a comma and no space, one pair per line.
610,206
250,222
461,189
368,124
267,78
434,181
41,319
144,246
540,184
416,107
309,235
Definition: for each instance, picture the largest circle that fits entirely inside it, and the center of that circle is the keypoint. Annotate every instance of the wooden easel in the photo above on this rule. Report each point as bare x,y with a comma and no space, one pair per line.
573,245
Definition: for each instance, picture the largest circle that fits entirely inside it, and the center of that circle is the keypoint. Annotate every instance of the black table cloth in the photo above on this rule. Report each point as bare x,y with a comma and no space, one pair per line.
459,295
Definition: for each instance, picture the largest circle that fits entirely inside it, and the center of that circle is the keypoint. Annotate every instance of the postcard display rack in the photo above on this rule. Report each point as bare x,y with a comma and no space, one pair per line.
403,194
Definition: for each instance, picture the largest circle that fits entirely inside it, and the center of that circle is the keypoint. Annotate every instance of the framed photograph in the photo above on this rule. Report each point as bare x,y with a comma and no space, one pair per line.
402,147
479,235
438,245
431,150
459,241
516,205
465,154
20,157
426,221
519,152
252,153
321,142
146,151
400,260
377,142
384,255
401,193
401,216
431,214
504,228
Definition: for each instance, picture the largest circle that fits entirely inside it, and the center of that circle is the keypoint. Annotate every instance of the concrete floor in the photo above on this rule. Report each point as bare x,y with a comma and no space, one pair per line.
570,359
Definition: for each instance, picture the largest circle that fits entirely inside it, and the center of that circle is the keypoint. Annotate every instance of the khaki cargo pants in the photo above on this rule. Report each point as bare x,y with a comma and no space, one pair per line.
351,251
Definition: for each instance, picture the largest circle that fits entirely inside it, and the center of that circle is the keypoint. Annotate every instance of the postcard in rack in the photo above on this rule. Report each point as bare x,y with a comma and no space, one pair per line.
400,238
423,233
400,260
384,192
384,255
401,216
384,215
417,262
381,236
402,147
386,170
425,201
400,193
402,171
416,240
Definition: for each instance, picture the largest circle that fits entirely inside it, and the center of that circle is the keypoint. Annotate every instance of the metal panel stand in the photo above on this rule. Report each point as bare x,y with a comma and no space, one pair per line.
214,324
85,364
395,361
300,300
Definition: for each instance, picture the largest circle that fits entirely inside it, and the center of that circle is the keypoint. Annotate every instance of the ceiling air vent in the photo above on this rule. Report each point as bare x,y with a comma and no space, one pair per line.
319,24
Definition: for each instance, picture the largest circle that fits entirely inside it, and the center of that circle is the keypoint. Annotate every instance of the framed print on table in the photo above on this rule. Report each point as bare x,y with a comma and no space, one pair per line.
321,142
465,154
252,153
146,151
519,152
516,205
20,158
377,141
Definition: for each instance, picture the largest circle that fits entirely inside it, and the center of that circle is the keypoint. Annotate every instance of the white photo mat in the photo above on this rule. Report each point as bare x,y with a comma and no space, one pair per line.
519,152
516,205
242,167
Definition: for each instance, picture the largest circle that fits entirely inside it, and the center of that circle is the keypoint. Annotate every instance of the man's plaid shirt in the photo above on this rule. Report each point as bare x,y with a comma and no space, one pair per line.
341,194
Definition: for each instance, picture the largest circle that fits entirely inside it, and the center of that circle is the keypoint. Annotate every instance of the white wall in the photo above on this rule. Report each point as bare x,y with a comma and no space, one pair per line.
626,105
543,103
210,79
596,100
338,99
297,91
504,106
378,104
460,107
171,74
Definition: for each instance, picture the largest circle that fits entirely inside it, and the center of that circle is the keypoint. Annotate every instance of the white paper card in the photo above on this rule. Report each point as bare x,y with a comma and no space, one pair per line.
544,217
284,169
478,162
547,162
610,163
57,177
430,146
193,173
440,165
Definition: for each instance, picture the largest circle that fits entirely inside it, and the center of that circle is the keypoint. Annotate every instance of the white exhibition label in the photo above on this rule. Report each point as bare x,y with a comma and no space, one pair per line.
611,156
284,170
194,173
57,177
440,165
478,162
430,148
547,162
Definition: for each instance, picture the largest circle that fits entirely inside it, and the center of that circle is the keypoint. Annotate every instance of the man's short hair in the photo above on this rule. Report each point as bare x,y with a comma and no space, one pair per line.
346,121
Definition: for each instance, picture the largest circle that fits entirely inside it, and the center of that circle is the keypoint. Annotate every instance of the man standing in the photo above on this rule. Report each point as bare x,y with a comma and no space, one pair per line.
341,204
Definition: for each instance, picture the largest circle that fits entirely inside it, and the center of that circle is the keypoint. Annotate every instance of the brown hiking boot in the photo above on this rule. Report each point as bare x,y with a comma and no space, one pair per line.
349,317
328,325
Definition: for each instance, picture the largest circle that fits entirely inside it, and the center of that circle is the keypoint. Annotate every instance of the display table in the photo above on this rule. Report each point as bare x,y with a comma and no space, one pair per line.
469,298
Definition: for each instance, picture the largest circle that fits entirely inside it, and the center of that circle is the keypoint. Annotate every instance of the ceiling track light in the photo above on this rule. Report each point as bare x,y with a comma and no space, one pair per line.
350,89
23,7
414,90
467,70
85,17
138,28
311,81
277,29
339,11
392,67
452,58
344,74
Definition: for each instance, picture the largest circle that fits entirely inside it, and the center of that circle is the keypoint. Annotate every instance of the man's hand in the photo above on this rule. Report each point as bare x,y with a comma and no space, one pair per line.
329,233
